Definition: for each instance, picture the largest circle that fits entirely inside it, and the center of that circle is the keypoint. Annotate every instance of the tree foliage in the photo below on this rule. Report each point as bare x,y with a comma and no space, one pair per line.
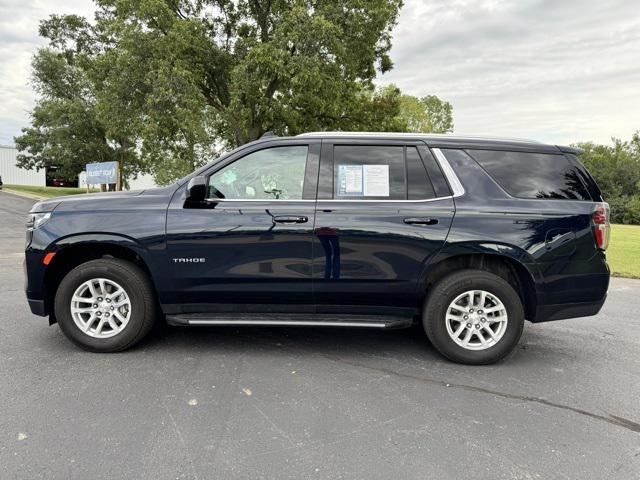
616,169
388,109
162,84
65,128
426,114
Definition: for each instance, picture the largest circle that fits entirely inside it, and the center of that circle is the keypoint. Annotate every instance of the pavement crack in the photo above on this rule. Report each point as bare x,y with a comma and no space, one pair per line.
611,419
275,426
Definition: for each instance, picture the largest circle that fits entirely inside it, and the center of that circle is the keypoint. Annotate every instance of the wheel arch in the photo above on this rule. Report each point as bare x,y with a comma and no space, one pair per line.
503,261
78,249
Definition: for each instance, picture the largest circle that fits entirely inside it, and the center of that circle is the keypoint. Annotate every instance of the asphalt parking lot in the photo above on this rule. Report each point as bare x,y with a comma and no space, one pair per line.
313,403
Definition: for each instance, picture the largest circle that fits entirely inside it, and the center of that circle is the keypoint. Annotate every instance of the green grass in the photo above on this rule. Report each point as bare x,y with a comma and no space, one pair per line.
48,192
623,253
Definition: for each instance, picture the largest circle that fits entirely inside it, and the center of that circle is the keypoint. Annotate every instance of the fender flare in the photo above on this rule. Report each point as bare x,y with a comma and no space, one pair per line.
98,237
101,238
511,252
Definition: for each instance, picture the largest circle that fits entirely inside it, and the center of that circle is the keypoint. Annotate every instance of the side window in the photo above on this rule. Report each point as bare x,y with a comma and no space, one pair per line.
436,176
271,174
419,186
533,175
587,179
369,172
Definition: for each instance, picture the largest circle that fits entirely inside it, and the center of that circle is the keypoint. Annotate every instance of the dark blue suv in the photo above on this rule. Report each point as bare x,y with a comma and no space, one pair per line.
470,236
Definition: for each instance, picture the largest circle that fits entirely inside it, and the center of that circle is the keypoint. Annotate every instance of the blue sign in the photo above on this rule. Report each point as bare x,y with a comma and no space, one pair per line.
99,173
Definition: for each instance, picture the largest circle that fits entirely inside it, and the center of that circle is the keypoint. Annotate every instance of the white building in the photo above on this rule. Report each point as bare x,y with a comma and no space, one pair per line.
13,175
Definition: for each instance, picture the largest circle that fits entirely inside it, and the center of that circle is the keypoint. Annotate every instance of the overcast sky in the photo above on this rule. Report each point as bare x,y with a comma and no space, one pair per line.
559,71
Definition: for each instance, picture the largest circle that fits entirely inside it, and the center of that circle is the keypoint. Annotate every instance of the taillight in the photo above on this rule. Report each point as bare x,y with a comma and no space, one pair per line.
602,227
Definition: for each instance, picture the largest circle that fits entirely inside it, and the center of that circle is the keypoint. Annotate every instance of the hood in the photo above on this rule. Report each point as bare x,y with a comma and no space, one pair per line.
51,204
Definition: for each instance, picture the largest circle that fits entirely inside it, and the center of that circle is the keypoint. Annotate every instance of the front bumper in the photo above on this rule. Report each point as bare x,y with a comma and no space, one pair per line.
37,307
34,272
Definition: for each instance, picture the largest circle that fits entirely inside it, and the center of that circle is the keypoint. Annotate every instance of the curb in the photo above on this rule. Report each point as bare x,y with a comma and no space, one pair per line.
18,193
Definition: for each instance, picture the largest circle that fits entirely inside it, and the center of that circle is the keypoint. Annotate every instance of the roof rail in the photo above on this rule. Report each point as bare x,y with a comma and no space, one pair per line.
413,135
569,149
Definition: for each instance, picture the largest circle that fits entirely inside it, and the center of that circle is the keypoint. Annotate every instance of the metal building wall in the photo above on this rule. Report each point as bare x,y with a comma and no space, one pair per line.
13,175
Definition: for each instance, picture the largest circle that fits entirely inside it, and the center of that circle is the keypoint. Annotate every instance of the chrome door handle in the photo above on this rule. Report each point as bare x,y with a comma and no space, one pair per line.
290,219
420,221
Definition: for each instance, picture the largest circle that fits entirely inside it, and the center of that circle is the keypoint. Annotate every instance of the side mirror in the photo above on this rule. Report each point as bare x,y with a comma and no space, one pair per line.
197,189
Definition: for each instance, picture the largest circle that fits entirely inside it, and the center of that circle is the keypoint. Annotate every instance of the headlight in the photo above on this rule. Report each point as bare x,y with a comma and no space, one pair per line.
37,219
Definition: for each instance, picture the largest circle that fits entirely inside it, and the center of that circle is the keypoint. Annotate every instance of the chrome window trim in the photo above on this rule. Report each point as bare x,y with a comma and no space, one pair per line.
384,201
449,173
323,200
284,200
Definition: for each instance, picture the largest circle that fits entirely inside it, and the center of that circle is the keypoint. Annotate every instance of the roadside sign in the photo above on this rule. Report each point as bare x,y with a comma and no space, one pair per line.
103,173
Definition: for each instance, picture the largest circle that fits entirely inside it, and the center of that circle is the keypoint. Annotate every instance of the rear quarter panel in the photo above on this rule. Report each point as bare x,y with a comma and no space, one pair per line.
553,239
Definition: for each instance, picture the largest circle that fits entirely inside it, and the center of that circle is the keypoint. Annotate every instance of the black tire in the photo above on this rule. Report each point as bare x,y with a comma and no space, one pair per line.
138,288
446,290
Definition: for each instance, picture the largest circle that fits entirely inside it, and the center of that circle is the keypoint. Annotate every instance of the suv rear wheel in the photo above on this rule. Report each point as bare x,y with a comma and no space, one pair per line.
473,317
105,305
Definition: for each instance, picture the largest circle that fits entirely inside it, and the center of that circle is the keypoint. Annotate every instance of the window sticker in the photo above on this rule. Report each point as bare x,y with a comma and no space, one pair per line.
376,180
363,180
350,182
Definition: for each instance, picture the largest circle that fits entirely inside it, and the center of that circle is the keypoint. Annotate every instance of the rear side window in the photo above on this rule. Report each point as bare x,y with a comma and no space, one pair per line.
372,172
385,172
436,176
587,179
533,175
419,186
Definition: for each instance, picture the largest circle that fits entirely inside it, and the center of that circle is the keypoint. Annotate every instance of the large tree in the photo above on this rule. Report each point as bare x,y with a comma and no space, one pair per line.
65,129
162,84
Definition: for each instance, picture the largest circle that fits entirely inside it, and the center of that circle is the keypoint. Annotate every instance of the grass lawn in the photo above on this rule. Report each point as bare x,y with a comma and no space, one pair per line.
49,192
623,253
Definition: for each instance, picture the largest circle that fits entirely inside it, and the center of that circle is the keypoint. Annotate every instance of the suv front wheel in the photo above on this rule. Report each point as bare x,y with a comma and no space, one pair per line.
105,305
473,317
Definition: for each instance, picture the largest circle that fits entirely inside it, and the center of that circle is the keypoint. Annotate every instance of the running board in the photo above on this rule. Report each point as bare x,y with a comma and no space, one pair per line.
288,320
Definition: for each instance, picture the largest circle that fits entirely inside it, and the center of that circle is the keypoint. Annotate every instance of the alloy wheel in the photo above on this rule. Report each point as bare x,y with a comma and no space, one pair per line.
100,308
476,320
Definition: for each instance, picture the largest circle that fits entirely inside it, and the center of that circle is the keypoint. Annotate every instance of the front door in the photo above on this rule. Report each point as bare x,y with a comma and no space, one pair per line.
384,210
249,247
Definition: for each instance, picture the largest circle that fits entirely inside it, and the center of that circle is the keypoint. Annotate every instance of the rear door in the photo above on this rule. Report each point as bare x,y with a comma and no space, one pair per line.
249,247
383,210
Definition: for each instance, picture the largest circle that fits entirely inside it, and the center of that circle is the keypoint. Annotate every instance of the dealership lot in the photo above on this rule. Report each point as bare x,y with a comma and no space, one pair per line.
297,403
